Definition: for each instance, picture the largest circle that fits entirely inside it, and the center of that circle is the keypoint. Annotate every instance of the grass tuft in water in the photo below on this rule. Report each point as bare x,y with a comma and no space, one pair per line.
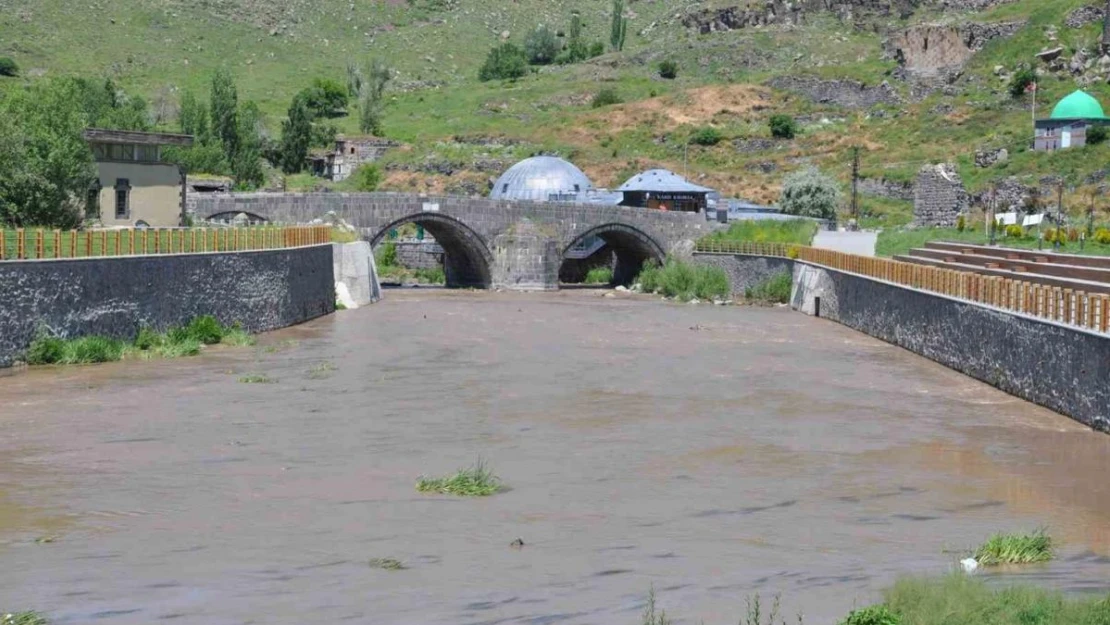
388,564
1016,549
256,378
23,618
651,616
474,481
321,371
237,337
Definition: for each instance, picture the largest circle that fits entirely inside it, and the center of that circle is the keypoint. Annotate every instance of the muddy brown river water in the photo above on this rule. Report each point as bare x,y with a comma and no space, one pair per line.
708,452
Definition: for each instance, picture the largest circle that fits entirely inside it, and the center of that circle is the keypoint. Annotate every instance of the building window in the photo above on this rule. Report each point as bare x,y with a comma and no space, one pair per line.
146,153
92,201
122,152
123,198
505,188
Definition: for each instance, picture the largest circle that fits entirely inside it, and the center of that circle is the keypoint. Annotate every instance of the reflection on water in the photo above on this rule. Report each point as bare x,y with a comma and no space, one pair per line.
708,452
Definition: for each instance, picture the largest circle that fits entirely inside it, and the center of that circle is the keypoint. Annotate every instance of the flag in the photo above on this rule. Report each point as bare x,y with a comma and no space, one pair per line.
1032,88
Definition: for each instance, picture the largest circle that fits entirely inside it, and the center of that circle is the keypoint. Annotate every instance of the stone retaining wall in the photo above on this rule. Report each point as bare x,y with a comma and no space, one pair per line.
419,254
1059,367
744,270
115,296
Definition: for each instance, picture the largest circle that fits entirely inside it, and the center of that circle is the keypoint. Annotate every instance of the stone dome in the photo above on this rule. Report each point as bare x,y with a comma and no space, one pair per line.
541,178
1078,105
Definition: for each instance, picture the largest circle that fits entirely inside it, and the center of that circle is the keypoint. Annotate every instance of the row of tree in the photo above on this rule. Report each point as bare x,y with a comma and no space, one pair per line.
229,136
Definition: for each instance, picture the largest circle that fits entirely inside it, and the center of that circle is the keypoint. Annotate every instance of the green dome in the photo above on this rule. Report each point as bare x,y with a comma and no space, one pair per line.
1078,105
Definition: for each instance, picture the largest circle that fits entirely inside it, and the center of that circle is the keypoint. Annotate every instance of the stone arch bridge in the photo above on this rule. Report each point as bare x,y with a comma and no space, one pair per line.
516,245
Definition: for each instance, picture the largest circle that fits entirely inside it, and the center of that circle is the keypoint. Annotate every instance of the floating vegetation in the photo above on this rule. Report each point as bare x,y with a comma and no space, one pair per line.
256,378
321,371
388,564
474,481
1016,549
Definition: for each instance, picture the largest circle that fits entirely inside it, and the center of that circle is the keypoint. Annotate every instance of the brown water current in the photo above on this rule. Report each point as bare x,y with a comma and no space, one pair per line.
708,452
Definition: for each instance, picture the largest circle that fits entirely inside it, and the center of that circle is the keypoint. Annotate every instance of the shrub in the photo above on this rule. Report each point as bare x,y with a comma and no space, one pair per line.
1014,231
45,350
1096,135
599,275
1073,234
596,49
147,339
706,135
430,275
783,127
668,69
606,97
92,349
810,193
961,223
773,290
366,178
872,615
1020,81
386,255
1102,235
1015,549
205,329
541,46
8,66
684,281
504,62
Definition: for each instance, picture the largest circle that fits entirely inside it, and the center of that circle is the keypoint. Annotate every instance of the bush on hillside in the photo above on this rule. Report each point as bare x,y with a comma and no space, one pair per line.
505,62
810,193
542,46
8,66
783,127
1096,135
366,178
597,48
668,69
1020,81
606,97
706,135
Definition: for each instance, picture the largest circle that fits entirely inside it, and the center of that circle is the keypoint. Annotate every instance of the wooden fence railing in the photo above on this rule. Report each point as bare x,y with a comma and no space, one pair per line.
1073,307
24,244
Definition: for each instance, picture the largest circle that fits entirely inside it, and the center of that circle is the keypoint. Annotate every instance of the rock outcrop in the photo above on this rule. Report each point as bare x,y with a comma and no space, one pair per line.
932,50
1082,16
846,93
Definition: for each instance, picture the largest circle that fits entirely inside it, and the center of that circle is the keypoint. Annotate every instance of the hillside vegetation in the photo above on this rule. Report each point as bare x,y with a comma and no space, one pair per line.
458,132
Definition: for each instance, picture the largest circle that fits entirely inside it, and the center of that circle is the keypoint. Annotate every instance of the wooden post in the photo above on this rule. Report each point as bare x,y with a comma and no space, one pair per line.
57,243
1104,313
40,244
3,244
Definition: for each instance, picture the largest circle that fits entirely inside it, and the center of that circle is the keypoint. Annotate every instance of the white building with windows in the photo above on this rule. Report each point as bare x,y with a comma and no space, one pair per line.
135,186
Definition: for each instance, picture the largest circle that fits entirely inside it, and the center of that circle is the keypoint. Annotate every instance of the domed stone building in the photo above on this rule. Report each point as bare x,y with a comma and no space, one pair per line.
544,179
1070,120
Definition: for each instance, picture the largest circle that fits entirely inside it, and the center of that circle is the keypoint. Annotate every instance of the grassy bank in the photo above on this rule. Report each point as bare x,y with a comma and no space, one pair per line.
684,281
796,231
773,290
187,340
389,270
892,242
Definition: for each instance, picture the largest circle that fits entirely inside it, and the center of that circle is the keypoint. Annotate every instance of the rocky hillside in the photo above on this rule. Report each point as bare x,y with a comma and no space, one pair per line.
911,82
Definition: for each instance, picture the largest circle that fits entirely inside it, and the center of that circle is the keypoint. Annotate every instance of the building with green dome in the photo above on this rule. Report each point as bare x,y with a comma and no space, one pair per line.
1068,124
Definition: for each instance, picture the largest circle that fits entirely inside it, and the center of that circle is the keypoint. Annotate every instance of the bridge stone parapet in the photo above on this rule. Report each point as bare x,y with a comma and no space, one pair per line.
467,228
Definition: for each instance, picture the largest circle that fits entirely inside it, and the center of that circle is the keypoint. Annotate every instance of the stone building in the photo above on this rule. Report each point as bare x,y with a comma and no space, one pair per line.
349,154
1067,126
939,196
134,186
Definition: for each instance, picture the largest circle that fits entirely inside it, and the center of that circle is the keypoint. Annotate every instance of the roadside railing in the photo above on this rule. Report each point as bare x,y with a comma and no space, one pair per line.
29,244
1069,306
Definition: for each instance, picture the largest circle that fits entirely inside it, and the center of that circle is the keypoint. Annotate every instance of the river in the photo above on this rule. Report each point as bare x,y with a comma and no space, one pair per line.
706,452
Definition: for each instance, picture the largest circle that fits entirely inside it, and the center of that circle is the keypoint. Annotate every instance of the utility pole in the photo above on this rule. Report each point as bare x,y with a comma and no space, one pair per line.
855,182
1059,212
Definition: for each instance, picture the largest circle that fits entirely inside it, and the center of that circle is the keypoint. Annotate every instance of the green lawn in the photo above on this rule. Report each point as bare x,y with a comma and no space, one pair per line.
892,242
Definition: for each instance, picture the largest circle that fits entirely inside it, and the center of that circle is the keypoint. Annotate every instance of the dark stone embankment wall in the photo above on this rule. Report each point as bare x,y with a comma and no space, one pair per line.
261,290
745,270
1059,367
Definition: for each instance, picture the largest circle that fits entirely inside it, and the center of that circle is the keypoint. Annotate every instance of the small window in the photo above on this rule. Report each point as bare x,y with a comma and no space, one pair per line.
123,152
146,153
577,189
92,202
352,150
505,188
123,198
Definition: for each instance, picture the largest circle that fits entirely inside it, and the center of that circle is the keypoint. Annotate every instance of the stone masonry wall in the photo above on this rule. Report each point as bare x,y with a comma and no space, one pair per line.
939,196
260,290
1059,367
745,271
419,254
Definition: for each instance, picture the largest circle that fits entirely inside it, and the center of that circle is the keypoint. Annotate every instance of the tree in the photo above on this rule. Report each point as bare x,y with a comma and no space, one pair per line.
783,127
8,67
246,167
107,106
192,118
1096,134
1020,82
541,46
668,69
810,193
296,134
619,27
325,98
354,80
373,98
224,111
46,168
366,178
504,62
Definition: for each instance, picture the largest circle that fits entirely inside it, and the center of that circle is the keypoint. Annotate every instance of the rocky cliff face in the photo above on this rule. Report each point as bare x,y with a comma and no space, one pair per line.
793,12
931,50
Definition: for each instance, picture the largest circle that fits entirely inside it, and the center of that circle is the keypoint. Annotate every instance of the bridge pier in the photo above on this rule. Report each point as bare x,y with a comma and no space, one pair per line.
526,259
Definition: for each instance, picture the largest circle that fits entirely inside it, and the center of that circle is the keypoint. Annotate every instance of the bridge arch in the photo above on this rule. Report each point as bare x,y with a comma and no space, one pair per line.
229,217
466,257
630,245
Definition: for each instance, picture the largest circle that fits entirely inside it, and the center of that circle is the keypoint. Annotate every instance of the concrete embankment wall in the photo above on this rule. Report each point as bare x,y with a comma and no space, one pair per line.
746,270
115,296
1060,367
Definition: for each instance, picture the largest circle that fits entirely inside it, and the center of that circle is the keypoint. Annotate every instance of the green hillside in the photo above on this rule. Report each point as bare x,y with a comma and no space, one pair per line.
444,115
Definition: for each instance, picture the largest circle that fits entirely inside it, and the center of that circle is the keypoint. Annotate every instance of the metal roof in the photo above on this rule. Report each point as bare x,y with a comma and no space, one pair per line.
1078,105
99,135
541,178
661,181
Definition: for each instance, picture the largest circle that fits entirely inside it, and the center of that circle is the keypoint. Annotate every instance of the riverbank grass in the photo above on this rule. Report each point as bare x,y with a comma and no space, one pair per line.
22,618
187,340
599,275
1015,549
474,481
795,231
773,290
684,281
